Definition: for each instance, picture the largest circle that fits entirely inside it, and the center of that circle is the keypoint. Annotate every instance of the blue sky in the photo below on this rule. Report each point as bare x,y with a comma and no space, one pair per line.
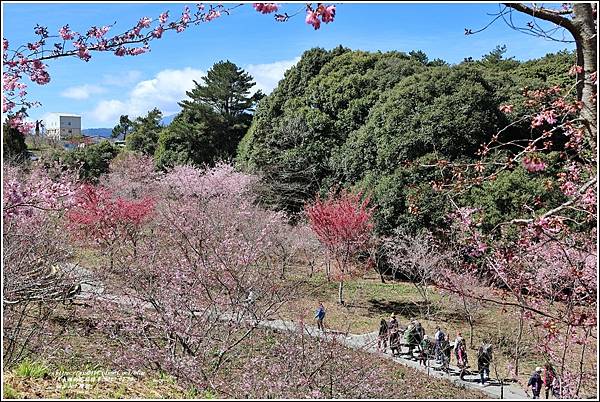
108,86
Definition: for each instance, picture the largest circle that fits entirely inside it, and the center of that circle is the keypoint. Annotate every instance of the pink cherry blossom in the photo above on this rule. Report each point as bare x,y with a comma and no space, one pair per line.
212,14
575,70
265,8
145,22
327,13
185,16
137,50
163,17
506,108
533,164
121,51
312,18
66,33
158,31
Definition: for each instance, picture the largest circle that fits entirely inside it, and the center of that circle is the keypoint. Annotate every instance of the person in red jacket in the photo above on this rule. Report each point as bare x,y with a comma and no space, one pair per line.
549,379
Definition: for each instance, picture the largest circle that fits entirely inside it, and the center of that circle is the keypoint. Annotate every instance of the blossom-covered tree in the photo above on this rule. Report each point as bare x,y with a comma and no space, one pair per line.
343,224
417,258
35,253
543,260
199,281
107,222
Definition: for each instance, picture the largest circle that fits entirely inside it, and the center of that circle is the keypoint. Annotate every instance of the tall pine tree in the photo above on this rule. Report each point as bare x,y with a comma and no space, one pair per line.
212,121
226,89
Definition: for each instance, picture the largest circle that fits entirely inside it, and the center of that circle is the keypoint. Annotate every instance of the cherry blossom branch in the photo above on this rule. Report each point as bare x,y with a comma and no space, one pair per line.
582,190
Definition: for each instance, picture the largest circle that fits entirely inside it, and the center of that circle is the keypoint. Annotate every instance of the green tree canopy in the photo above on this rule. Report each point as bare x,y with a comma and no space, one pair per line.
13,144
144,133
226,89
371,120
123,128
212,121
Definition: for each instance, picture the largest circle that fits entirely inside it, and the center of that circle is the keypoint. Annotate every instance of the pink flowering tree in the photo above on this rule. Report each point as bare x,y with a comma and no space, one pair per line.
419,258
199,283
543,261
343,224
131,176
29,60
106,222
36,275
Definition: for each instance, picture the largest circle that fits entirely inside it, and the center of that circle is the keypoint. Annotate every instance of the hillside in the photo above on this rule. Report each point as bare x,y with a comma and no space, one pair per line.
369,121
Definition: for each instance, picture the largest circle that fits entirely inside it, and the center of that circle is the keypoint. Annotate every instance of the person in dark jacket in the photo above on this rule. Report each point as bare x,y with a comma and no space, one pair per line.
320,316
535,382
484,357
446,353
550,380
394,332
382,338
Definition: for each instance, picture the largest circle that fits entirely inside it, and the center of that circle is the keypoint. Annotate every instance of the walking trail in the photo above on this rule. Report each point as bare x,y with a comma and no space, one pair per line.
368,343
365,342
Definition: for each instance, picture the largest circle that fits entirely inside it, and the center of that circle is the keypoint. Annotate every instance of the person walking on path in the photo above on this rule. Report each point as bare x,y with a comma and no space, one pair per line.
382,338
425,348
550,380
484,358
438,337
535,382
394,331
446,353
320,316
460,351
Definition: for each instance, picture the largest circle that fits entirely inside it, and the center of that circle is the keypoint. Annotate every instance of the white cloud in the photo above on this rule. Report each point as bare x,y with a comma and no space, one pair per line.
268,75
168,87
108,111
122,80
163,91
82,91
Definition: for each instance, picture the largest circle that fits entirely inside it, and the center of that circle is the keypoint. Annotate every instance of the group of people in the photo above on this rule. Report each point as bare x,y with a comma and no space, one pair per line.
544,378
391,333
439,348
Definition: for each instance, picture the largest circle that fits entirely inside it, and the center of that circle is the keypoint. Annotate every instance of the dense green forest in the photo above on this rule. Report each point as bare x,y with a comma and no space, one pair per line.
374,121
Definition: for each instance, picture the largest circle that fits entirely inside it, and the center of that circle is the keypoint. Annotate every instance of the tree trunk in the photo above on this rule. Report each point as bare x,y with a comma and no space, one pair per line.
587,53
470,320
518,345
581,361
340,292
584,31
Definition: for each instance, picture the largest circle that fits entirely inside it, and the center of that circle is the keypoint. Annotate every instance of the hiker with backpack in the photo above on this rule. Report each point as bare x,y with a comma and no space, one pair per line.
484,358
535,382
425,349
460,352
413,336
438,337
383,335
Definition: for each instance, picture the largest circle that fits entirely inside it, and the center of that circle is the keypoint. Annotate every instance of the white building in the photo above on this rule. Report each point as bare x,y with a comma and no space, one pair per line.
63,125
